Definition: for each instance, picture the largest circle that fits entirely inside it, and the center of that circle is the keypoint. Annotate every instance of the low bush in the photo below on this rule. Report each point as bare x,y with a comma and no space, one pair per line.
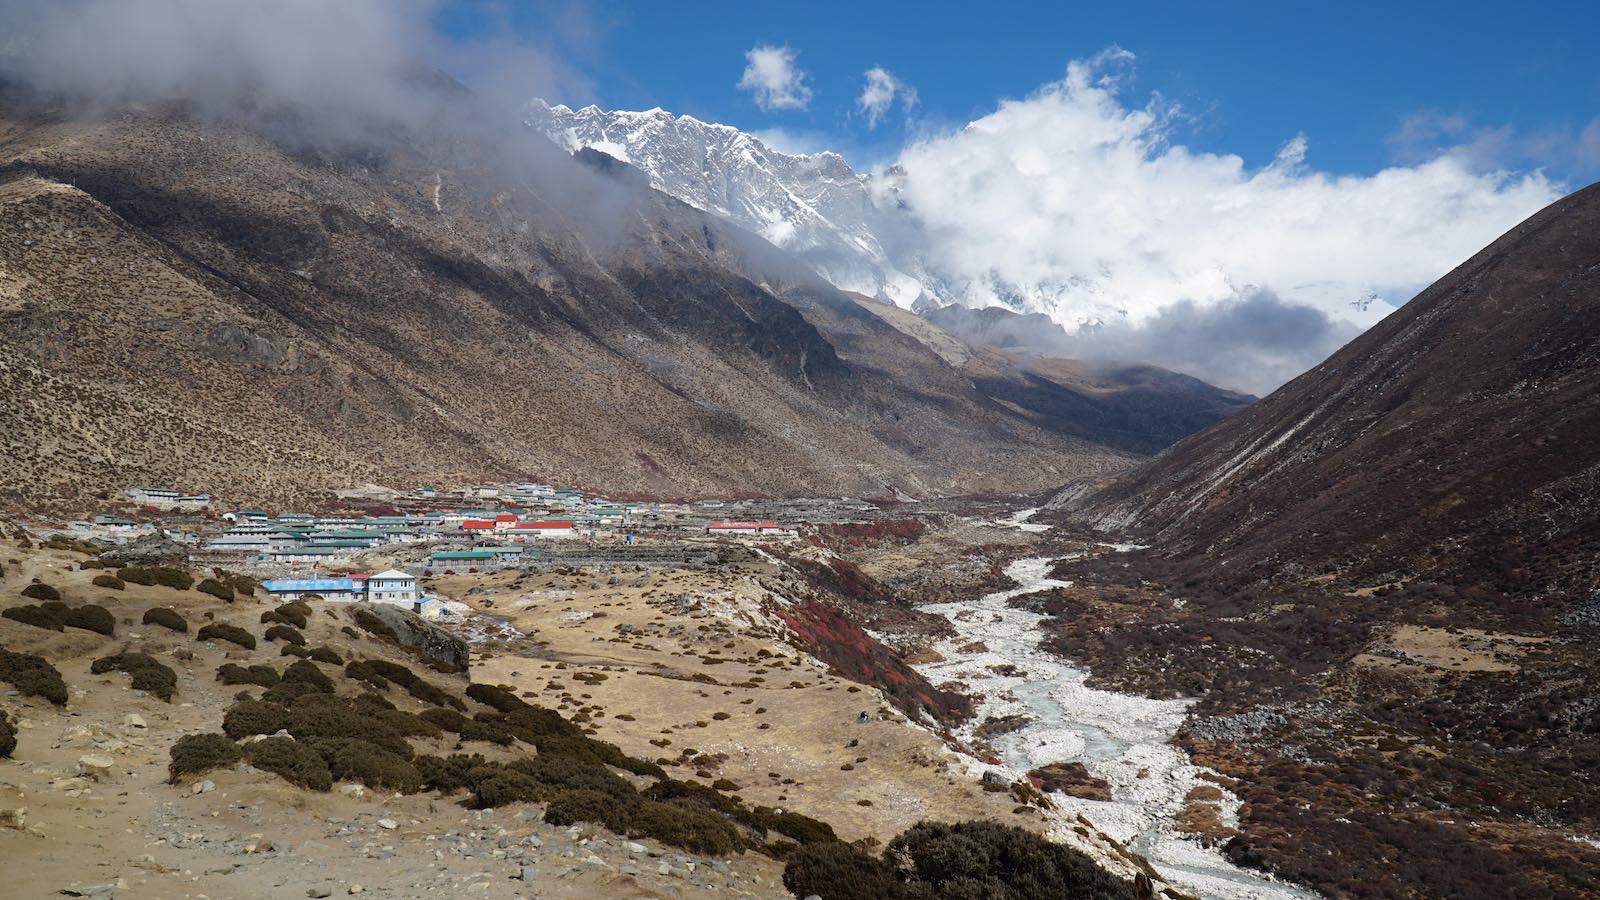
325,717
193,754
248,717
573,807
91,617
990,859
497,697
109,581
215,588
351,759
147,674
326,655
841,872
371,624
359,670
37,616
243,584
166,576
8,736
41,591
451,773
224,632
166,618
286,614
33,676
294,762
802,829
306,671
686,825
295,650
287,634
233,673
287,692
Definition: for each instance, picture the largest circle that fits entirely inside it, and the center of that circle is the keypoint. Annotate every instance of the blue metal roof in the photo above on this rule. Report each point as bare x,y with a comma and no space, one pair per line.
310,584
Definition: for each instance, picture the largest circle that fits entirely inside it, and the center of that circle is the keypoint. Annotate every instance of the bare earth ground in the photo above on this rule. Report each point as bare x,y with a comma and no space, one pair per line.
771,720
254,835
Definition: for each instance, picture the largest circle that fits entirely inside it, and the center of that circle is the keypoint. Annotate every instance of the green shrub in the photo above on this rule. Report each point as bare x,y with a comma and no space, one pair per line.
166,618
325,717
451,773
287,692
148,675
351,759
802,829
91,564
284,615
296,650
248,717
686,825
573,807
495,787
41,591
91,617
294,762
8,736
166,576
232,673
360,670
196,753
373,625
287,634
217,589
243,584
434,695
37,616
841,872
33,676
990,859
326,655
497,697
306,671
724,784
224,632
112,582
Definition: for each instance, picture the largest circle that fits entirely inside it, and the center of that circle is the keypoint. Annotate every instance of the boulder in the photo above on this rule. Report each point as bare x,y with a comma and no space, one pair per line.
429,640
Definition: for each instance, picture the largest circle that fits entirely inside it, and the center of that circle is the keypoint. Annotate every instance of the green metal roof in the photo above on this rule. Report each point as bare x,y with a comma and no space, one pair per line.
463,554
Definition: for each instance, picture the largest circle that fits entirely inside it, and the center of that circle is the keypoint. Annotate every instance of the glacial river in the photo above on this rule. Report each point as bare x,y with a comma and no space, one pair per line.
1122,738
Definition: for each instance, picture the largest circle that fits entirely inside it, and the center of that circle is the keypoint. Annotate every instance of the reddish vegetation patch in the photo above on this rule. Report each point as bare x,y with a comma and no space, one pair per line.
834,639
1071,779
853,534
648,463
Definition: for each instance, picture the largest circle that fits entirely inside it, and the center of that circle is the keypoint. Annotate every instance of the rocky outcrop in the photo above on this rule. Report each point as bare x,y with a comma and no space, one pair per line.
429,640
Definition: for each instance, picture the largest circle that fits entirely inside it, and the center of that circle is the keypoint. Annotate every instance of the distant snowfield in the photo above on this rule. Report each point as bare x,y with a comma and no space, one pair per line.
1122,738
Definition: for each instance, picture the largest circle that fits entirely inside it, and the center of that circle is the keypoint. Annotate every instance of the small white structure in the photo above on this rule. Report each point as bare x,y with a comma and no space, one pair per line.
393,586
526,531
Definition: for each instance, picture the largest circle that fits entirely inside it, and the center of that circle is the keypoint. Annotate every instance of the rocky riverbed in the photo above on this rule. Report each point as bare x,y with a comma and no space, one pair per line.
1123,739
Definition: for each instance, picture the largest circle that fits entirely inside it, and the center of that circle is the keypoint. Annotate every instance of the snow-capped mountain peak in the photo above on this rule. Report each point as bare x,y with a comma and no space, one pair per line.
813,205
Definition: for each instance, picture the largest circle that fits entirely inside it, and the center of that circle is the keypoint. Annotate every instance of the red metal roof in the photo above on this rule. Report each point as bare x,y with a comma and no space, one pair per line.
479,524
505,517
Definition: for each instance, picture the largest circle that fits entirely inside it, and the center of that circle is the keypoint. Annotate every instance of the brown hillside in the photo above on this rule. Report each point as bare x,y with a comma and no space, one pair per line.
1455,440
193,303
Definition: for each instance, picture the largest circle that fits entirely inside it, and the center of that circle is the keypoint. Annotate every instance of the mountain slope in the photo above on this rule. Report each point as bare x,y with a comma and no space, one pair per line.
1455,439
1139,409
228,307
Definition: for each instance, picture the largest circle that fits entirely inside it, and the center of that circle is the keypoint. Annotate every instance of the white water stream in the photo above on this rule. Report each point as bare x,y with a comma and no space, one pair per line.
1122,738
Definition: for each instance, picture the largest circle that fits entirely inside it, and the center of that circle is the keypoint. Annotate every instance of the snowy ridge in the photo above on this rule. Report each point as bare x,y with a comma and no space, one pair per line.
813,205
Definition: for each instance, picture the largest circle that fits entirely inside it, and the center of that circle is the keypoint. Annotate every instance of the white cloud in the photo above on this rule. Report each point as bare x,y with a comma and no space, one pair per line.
879,93
771,76
1428,134
1073,203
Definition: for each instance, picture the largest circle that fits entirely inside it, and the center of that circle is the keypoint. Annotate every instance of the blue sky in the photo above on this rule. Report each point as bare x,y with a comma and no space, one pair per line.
1368,84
